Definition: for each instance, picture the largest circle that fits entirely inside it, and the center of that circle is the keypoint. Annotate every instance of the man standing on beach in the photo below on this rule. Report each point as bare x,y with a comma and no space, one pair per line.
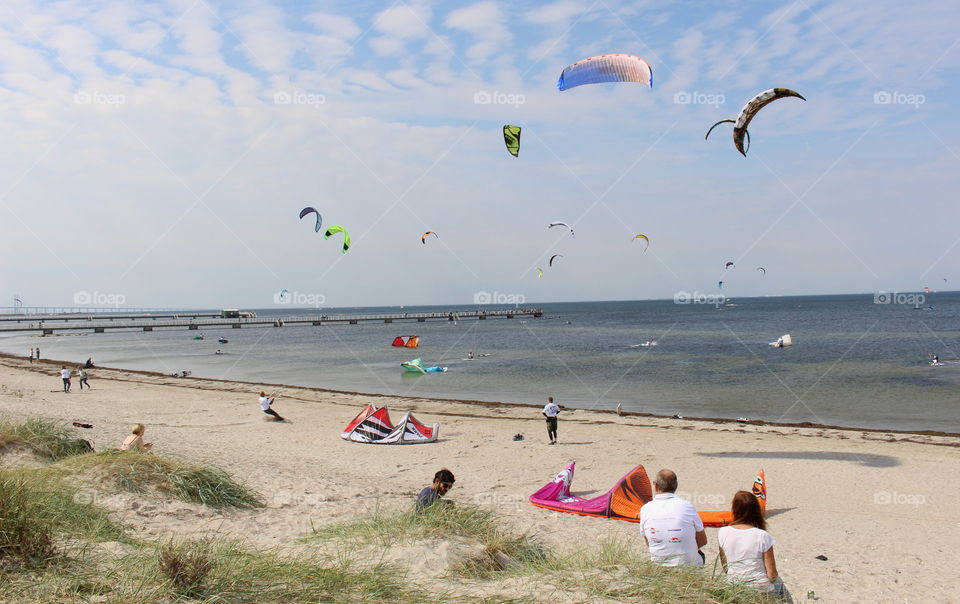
671,526
31,355
266,402
65,375
550,411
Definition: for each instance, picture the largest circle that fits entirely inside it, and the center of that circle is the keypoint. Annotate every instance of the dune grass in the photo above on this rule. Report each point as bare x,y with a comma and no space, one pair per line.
136,472
45,438
37,509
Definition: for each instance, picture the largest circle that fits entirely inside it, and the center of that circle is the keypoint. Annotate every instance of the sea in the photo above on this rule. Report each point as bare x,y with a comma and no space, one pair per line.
859,361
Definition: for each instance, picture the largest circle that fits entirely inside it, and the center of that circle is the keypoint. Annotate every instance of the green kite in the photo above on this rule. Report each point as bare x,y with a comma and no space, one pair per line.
511,138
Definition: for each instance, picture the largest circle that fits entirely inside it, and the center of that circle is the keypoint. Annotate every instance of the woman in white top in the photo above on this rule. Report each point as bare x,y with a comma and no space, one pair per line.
746,548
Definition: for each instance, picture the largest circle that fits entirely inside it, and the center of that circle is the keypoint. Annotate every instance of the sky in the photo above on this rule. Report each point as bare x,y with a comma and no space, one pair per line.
158,154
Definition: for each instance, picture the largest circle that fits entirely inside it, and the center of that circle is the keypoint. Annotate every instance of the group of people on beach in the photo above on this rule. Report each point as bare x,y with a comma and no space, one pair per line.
67,376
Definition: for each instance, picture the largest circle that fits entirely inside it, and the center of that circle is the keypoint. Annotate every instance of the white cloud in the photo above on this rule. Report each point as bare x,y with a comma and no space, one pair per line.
486,23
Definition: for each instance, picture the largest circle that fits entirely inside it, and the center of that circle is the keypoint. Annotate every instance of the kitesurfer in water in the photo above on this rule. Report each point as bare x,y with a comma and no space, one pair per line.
442,482
936,360
470,355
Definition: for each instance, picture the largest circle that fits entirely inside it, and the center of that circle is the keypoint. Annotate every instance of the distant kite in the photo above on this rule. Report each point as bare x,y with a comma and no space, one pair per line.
645,238
539,273
760,268
511,138
564,224
423,238
616,67
339,229
305,211
720,284
748,112
554,256
727,265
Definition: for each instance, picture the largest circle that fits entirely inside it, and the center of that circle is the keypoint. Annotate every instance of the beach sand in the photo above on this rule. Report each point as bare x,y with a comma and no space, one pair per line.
880,506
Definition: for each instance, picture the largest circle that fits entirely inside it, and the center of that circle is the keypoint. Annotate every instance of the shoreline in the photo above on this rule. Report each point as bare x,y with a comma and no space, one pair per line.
501,404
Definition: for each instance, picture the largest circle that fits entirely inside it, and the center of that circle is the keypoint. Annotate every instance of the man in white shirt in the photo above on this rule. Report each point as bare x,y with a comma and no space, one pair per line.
65,374
265,403
671,526
550,411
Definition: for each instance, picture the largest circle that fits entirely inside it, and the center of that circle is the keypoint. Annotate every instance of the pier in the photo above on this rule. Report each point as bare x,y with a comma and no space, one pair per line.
99,323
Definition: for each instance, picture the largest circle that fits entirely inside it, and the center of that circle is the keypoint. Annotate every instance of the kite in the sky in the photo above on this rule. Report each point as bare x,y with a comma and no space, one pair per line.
423,238
339,229
539,272
727,265
554,256
564,224
645,238
720,284
511,138
616,67
760,268
305,211
749,111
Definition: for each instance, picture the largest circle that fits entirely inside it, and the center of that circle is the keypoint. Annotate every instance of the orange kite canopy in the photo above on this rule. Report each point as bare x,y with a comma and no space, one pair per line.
406,341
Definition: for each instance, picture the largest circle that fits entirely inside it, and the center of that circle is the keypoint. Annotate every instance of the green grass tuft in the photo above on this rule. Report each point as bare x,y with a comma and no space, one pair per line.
136,472
45,438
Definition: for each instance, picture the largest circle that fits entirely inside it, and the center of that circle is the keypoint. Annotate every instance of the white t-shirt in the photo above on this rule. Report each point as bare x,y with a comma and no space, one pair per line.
670,524
264,403
551,409
744,549
65,374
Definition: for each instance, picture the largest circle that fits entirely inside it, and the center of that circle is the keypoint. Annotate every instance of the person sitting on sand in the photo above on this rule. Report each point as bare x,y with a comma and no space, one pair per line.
671,526
746,548
88,364
134,441
442,481
266,402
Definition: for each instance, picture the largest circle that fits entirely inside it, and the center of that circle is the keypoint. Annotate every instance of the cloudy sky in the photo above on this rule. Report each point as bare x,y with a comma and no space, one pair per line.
161,152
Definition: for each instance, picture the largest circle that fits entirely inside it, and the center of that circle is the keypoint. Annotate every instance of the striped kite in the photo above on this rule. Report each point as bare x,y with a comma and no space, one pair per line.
749,111
511,138
617,67
339,229
423,238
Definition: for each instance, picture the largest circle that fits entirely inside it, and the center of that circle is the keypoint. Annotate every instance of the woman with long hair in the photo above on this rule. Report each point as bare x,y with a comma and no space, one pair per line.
746,548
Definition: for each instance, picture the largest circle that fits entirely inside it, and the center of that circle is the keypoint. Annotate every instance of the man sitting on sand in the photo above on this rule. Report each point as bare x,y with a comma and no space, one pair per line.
265,404
134,441
671,526
442,481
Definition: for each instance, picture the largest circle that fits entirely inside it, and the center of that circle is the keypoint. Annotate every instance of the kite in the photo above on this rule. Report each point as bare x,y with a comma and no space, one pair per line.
720,284
554,256
553,224
305,211
339,229
944,279
760,268
749,111
616,67
645,238
423,238
727,265
539,273
511,138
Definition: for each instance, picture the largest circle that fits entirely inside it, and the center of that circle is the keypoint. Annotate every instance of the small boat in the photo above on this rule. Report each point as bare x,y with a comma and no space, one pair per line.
197,337
223,340
783,341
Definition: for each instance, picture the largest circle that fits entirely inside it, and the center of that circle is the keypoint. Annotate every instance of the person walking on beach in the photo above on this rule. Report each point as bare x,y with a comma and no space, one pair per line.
442,482
550,411
266,402
746,548
83,379
31,355
65,375
671,526
38,353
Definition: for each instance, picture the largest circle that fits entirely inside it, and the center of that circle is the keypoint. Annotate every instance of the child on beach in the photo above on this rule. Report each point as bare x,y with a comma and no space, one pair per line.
83,379
134,441
266,402
442,482
65,375
746,548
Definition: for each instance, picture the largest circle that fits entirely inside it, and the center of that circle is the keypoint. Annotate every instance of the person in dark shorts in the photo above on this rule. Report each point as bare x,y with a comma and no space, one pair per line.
442,482
550,411
265,404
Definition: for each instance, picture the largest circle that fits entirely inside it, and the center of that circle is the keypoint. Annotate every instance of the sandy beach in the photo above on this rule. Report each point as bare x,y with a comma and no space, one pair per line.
877,505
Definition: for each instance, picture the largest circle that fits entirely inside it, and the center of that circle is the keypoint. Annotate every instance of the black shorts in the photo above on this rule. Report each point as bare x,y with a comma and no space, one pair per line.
552,424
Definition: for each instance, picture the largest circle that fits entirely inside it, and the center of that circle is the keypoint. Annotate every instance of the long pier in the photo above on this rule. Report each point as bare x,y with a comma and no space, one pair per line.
100,324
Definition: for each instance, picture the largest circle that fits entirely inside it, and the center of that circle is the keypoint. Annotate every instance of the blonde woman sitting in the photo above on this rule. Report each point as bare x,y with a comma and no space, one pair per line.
134,441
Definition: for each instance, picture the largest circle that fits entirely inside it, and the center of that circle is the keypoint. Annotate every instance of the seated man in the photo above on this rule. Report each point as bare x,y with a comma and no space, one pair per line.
442,481
671,527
